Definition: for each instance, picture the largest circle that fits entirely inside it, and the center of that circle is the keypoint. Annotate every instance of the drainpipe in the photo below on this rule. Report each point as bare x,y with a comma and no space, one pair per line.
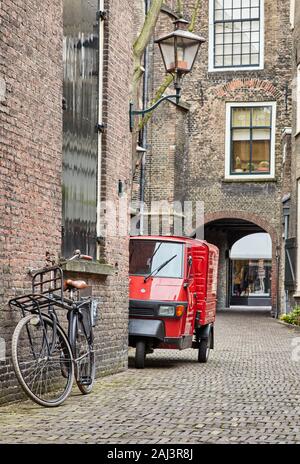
100,122
276,315
144,132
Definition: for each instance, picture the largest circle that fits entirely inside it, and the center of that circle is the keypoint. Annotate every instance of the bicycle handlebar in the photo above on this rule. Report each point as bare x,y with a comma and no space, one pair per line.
78,255
86,257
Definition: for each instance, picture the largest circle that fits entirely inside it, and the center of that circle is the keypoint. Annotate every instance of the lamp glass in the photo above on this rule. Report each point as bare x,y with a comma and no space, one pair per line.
179,53
167,49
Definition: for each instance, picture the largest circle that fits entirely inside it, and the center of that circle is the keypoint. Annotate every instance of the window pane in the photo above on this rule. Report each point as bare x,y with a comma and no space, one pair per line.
219,28
245,59
228,28
245,13
219,38
246,37
219,61
255,37
255,48
227,4
261,116
219,50
237,49
236,14
255,59
237,38
228,60
261,155
219,15
246,48
236,60
236,3
237,27
228,38
255,2
241,156
246,26
227,14
255,26
218,4
241,117
245,3
261,134
241,134
254,12
228,50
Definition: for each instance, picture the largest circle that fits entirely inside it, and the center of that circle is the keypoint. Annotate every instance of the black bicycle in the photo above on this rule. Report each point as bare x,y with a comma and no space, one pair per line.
45,358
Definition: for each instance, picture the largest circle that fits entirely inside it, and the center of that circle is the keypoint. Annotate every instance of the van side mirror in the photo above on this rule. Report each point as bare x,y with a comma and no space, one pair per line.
189,262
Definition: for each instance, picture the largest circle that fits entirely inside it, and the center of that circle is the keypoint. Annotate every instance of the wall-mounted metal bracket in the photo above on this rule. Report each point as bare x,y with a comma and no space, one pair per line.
133,112
101,15
101,127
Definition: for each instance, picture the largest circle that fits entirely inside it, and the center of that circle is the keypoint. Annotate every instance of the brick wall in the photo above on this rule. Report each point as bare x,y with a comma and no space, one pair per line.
202,162
30,149
31,162
295,150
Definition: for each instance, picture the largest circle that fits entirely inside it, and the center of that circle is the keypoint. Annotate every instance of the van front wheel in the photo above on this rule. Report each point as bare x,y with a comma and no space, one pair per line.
204,349
140,354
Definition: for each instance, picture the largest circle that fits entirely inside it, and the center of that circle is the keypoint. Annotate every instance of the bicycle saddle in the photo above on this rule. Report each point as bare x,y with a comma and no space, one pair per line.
79,284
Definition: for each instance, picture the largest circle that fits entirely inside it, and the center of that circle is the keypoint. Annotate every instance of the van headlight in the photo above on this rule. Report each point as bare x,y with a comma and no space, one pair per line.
166,311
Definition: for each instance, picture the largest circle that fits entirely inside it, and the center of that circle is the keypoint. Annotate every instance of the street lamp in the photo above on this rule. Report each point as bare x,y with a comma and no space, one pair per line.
179,50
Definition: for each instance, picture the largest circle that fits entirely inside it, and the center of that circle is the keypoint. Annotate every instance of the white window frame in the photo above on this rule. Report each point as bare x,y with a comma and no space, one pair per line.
298,101
292,13
211,47
247,177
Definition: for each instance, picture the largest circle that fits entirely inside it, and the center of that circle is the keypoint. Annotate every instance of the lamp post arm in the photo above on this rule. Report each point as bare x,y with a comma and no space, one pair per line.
133,112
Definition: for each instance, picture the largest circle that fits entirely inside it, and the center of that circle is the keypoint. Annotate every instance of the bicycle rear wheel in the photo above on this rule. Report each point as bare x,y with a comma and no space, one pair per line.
42,359
83,349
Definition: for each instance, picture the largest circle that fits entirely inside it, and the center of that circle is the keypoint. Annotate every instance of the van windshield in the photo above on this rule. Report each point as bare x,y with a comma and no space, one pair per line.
148,255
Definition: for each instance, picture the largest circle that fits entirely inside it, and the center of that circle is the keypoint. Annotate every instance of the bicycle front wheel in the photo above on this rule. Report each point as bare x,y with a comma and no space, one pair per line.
42,359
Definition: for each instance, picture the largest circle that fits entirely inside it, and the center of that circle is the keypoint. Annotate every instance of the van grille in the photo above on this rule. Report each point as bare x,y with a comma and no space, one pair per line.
142,312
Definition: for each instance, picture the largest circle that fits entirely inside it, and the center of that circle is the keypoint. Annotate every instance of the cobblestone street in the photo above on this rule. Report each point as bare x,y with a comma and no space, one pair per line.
249,392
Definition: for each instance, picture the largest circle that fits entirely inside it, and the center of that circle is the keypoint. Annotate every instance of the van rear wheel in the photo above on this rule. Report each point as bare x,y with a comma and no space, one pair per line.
140,354
204,349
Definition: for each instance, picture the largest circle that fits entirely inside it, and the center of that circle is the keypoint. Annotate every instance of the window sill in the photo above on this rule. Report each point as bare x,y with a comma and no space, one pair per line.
234,70
89,267
248,179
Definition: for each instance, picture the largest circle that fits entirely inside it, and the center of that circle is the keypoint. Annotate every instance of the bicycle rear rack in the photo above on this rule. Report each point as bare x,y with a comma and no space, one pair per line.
47,291
48,281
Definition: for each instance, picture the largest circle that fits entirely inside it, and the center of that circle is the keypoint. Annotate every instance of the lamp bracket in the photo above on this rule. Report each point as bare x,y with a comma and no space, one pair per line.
133,112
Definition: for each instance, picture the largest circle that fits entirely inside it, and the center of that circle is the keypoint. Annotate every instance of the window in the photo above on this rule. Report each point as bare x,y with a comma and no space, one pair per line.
251,278
147,256
236,34
80,140
250,140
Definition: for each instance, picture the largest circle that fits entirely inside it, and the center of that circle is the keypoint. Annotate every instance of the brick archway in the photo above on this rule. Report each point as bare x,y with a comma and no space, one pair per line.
210,218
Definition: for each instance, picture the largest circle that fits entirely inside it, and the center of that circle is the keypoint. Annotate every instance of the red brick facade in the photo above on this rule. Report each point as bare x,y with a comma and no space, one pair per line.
31,163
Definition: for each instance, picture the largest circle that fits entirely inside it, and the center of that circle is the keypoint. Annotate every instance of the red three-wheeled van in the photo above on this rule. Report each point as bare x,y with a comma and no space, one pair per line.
173,295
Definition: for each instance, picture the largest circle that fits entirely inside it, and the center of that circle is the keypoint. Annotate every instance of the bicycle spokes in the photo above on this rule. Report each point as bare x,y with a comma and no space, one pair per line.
44,360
